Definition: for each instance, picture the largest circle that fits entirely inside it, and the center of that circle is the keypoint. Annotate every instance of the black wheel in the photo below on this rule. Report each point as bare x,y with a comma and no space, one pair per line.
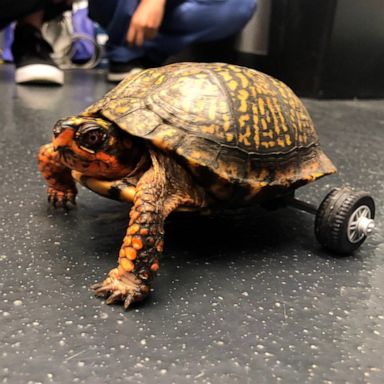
344,220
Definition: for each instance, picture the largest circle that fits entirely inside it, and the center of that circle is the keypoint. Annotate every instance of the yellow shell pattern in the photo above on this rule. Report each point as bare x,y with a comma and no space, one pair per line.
245,127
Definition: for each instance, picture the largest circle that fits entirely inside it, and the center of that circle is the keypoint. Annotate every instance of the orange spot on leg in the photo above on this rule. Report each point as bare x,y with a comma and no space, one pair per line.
127,265
155,267
122,253
133,229
130,253
137,243
134,215
127,240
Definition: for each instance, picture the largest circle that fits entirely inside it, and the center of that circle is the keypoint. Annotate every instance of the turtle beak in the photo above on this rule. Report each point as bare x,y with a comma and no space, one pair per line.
64,138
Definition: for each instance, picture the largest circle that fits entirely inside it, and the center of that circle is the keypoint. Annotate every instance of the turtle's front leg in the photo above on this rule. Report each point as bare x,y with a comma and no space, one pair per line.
139,254
61,186
161,189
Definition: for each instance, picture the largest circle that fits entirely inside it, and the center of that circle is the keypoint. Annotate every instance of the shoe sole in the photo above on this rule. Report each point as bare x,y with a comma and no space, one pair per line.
117,77
38,74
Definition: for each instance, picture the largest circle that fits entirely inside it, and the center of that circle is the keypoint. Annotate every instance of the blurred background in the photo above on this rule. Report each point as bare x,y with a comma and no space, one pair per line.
322,49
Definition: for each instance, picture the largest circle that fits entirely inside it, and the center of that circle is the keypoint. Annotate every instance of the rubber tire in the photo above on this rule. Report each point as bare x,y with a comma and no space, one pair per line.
332,217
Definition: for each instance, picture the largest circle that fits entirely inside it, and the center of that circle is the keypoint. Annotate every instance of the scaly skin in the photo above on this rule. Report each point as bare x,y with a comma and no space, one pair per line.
142,245
61,186
163,188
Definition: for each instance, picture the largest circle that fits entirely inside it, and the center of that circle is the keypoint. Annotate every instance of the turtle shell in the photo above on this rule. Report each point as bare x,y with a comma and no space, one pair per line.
229,124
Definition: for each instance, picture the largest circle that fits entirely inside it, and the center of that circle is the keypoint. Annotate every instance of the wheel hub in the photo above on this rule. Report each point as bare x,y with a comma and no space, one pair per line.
360,224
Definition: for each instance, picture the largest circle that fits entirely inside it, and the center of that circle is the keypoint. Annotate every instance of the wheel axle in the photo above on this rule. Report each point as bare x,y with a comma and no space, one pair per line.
301,205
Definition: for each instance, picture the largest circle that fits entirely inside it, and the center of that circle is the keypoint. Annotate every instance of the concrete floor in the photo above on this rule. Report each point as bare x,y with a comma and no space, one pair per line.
243,298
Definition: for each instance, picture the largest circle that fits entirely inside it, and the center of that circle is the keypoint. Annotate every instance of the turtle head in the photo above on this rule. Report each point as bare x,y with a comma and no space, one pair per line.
95,147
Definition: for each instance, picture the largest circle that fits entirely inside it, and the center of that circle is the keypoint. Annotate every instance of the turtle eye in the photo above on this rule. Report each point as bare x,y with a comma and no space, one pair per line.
91,138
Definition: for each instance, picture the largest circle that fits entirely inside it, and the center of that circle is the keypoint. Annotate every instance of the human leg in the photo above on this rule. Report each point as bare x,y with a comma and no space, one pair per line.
115,16
31,53
192,21
185,22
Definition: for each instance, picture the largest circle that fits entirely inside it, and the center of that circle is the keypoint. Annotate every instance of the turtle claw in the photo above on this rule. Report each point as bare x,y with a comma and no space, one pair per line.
126,288
116,296
96,286
103,291
60,199
128,301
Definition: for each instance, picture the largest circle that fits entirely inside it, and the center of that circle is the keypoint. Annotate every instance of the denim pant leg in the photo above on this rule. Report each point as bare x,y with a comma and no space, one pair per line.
114,16
199,21
185,22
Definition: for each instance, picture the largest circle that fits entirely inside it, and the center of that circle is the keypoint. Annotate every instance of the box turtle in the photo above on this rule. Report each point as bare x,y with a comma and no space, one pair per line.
194,136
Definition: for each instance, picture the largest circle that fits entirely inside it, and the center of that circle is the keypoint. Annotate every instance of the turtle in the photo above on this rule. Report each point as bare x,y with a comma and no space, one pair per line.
181,137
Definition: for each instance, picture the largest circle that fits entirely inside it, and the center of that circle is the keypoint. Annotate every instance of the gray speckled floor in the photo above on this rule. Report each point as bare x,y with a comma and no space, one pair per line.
247,298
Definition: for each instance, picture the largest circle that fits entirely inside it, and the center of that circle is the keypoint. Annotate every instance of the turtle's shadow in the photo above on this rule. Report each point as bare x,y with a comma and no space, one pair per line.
201,238
229,233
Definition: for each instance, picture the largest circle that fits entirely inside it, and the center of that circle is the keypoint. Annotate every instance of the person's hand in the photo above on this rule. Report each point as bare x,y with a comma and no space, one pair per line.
145,21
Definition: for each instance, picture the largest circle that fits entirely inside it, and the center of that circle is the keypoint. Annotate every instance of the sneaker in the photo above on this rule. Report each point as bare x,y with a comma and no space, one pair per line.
118,71
32,57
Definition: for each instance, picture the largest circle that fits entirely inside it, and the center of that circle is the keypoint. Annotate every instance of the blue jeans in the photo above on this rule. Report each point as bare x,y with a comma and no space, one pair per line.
185,22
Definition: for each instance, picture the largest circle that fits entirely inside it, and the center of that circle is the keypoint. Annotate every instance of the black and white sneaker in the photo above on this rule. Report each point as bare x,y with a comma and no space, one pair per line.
32,57
118,71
